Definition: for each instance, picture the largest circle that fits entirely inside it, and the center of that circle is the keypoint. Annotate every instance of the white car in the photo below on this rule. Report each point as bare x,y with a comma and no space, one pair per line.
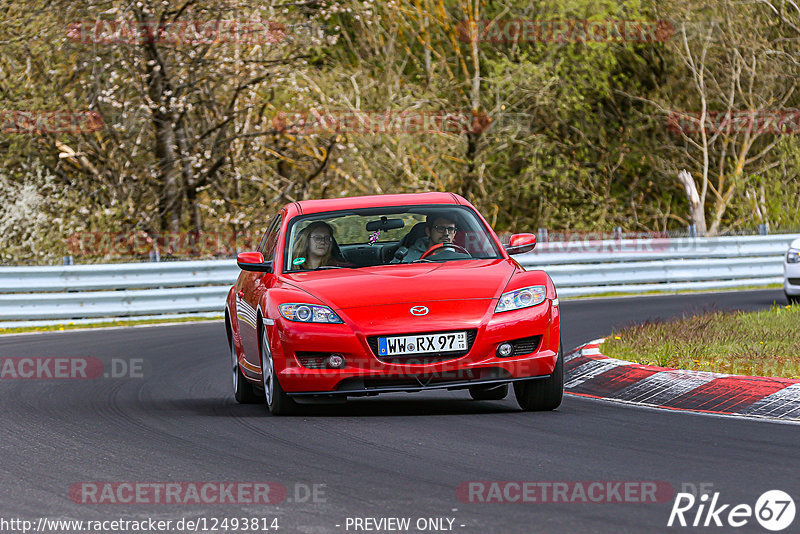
791,272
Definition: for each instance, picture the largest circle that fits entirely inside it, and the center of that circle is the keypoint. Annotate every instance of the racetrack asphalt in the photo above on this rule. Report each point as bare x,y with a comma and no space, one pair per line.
402,455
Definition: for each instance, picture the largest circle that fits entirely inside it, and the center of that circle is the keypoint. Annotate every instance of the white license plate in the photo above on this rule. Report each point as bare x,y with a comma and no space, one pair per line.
422,343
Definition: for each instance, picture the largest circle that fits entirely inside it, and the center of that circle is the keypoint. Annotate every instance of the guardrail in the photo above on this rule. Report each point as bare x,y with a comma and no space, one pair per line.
582,268
93,293
32,296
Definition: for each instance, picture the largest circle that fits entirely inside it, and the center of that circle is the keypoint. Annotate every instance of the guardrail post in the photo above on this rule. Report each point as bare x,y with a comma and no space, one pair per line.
763,229
542,237
618,232
692,230
68,260
154,255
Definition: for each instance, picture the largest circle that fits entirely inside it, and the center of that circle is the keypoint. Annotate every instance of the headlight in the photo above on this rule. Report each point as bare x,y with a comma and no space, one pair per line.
521,298
308,313
792,256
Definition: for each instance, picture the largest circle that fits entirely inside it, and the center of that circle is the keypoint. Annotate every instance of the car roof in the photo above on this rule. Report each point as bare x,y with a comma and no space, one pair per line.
373,201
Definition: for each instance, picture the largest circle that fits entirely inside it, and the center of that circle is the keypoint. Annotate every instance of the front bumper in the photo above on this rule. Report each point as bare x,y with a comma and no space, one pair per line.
366,374
360,388
791,278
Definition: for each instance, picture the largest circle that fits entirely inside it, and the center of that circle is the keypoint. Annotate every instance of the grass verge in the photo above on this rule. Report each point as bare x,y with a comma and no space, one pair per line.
761,343
81,326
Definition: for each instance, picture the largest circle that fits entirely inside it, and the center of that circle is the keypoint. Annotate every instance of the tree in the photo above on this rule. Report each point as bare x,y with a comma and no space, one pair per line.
726,130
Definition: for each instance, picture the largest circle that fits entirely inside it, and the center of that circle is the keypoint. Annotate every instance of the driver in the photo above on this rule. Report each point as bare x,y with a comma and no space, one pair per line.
438,229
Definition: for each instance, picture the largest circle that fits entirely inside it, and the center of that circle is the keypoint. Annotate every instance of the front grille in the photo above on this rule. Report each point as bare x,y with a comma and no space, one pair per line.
422,359
526,345
794,281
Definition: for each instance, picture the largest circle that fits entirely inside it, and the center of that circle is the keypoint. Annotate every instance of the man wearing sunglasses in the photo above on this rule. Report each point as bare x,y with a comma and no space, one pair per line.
438,229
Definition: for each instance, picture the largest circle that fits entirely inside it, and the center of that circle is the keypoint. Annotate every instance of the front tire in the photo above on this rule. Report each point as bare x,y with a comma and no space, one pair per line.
542,394
278,402
484,393
243,390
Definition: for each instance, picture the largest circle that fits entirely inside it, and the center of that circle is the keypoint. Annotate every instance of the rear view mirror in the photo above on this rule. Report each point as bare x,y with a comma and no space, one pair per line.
521,243
385,224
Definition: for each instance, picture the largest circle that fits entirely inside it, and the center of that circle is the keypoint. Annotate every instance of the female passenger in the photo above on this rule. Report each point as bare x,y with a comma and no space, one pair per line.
315,247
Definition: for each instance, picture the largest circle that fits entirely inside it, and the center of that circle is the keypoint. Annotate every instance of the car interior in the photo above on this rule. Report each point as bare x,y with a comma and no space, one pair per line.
380,254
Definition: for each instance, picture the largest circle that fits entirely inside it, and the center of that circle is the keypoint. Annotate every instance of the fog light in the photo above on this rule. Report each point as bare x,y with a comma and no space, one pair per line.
504,350
335,361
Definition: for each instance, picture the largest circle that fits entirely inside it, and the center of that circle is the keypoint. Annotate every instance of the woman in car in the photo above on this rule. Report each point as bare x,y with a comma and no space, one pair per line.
316,247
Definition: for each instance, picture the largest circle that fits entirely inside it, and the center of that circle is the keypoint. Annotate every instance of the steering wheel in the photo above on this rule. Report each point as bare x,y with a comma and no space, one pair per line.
435,249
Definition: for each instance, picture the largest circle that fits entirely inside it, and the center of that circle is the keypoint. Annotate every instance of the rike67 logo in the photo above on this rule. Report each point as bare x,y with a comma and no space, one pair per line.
774,510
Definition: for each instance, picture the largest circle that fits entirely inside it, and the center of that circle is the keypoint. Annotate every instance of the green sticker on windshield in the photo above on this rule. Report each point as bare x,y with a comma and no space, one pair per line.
298,261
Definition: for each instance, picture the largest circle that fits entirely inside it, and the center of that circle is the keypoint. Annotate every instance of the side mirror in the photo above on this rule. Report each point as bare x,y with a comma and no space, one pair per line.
521,243
253,261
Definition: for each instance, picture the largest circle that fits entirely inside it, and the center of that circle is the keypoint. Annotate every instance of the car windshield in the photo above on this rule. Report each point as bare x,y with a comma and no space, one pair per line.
385,236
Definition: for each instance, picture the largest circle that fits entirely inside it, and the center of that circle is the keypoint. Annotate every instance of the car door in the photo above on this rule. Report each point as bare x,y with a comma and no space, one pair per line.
251,287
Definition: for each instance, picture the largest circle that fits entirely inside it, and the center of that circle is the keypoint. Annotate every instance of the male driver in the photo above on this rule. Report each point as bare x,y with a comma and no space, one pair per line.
438,229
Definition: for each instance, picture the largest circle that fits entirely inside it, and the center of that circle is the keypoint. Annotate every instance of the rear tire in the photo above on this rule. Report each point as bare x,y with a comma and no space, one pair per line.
543,393
485,393
278,402
243,390
793,299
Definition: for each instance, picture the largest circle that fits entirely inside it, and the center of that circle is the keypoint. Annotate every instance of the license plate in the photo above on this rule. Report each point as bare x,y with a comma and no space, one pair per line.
422,343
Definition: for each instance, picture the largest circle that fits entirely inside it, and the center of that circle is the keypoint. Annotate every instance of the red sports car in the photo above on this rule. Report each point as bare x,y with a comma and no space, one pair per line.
391,293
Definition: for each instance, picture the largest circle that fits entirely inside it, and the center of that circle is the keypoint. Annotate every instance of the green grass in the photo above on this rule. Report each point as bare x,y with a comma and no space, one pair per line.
73,326
762,343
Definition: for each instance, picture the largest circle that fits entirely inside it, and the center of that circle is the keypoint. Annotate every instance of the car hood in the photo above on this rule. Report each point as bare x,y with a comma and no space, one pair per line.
389,284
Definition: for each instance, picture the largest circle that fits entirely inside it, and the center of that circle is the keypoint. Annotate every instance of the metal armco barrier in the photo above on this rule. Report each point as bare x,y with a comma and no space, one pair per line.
89,293
583,267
